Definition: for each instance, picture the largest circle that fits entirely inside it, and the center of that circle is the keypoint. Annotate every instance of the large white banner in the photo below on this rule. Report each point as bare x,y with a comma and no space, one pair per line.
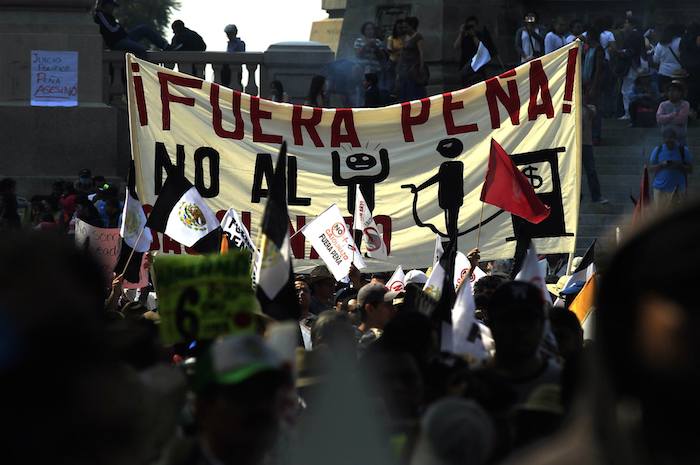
226,143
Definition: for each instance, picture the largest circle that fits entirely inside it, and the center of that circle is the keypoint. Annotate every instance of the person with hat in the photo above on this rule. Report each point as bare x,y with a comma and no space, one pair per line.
116,37
671,163
322,285
673,113
529,42
375,303
238,382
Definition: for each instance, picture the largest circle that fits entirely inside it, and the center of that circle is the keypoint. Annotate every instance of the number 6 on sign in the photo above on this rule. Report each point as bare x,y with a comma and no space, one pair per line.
186,321
204,297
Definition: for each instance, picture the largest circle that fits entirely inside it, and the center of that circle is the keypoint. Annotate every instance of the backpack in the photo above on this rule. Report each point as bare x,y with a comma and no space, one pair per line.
681,148
620,64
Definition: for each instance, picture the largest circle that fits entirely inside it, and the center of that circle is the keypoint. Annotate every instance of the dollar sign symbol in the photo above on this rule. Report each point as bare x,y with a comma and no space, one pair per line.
535,180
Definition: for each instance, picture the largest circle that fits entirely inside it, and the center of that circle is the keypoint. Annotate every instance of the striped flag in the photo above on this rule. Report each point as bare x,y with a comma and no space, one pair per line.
136,237
181,213
274,275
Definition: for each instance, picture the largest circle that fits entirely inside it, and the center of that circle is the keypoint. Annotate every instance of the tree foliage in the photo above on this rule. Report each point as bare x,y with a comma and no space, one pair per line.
153,13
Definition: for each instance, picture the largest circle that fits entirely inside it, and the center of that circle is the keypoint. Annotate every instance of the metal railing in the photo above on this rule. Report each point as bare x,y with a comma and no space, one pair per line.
229,69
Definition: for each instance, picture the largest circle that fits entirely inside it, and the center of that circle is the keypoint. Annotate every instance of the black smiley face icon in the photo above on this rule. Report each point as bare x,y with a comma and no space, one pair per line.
360,161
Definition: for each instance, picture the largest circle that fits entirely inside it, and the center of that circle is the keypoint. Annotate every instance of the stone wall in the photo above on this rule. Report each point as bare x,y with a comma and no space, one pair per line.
41,144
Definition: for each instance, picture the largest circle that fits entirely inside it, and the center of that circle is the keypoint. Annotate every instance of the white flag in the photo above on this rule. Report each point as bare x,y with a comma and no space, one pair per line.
466,333
531,272
462,267
433,286
231,223
397,280
363,221
133,222
331,238
481,57
476,275
437,253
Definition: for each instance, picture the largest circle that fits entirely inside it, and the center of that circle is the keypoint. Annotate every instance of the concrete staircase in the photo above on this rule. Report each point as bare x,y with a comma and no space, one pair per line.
619,162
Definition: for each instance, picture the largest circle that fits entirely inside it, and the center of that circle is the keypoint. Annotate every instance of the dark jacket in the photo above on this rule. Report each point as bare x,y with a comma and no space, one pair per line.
469,48
188,41
112,32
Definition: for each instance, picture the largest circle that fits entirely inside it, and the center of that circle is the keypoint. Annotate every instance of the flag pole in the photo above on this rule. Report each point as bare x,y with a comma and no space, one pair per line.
133,249
478,231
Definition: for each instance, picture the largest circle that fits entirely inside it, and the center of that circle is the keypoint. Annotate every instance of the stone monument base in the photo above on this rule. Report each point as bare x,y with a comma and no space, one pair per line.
41,145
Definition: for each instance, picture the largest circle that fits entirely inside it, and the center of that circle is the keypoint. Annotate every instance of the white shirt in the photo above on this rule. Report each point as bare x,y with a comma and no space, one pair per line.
525,44
570,38
606,37
665,59
553,41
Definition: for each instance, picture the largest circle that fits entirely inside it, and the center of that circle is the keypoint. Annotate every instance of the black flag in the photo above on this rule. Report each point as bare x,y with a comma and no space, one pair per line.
273,271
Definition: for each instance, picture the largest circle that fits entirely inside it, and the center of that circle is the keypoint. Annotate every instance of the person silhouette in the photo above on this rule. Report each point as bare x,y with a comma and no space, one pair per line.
450,180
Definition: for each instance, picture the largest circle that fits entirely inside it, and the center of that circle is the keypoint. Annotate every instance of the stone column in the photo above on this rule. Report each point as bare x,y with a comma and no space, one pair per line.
293,64
42,144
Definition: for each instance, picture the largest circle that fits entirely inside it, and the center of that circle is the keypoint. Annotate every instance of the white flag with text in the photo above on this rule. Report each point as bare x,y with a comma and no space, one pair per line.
331,238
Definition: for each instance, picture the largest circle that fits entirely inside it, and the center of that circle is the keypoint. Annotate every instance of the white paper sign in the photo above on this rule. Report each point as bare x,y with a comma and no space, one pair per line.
103,244
330,236
54,78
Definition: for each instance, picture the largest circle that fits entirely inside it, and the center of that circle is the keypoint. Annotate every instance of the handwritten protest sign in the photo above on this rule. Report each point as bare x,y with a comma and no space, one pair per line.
54,78
103,244
204,296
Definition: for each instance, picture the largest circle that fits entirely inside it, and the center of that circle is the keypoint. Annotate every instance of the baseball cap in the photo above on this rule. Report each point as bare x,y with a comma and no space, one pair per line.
230,28
234,359
320,273
373,293
416,277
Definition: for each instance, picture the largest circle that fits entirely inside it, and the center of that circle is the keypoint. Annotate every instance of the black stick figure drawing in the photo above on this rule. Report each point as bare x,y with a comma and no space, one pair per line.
358,163
450,180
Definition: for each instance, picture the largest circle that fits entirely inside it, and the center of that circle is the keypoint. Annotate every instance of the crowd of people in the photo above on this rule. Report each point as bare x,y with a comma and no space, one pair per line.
364,378
628,68
88,198
361,376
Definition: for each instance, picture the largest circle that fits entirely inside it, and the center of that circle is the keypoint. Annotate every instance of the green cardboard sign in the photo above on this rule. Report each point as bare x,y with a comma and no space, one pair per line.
204,296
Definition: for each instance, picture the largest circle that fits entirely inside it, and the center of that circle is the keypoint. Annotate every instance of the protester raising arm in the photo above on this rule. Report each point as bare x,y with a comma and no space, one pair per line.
112,302
473,256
